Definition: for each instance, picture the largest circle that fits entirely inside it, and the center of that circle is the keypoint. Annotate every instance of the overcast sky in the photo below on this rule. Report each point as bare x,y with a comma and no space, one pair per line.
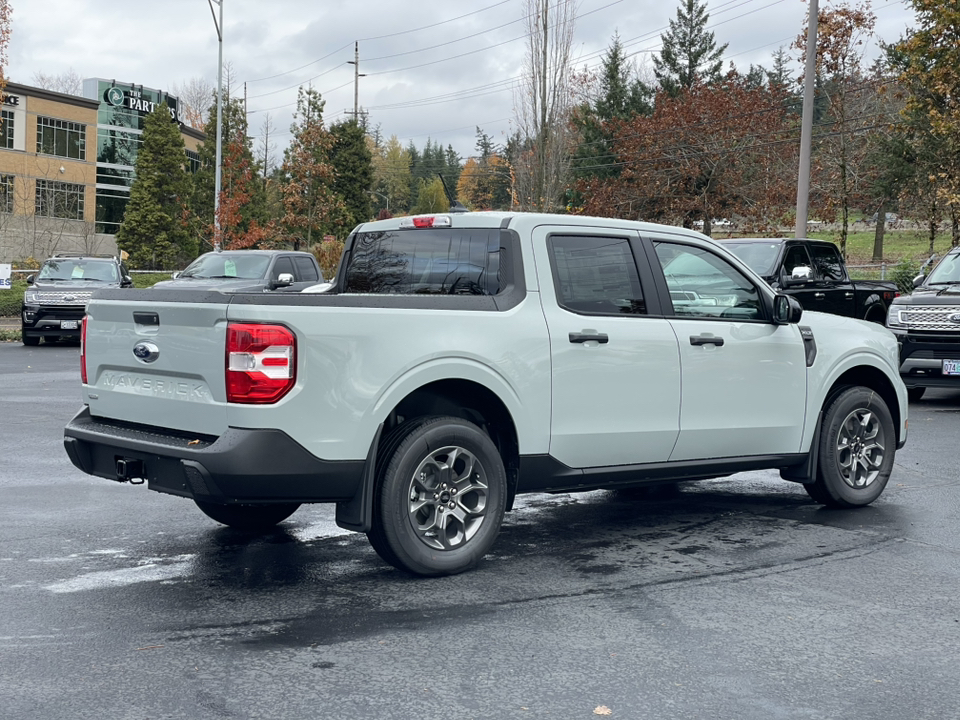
415,55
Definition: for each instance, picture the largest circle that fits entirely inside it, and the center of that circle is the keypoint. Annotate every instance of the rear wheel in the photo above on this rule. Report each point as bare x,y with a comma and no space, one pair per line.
440,498
857,447
248,517
915,393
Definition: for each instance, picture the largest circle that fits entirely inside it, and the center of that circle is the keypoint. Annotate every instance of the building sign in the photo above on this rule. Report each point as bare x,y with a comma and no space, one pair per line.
139,101
6,270
11,100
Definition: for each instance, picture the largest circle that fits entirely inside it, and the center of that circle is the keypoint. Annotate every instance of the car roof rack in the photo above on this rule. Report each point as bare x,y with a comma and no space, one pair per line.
80,254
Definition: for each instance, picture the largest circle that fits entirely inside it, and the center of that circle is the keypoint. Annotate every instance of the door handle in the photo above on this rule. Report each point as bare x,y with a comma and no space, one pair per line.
819,296
706,340
582,337
849,294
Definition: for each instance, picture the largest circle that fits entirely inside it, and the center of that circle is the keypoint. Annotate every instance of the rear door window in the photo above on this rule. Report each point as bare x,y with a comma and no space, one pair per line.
827,262
455,261
306,270
596,276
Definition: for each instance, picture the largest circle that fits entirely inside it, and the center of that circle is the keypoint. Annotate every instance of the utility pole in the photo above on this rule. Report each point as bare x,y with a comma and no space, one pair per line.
806,123
216,188
356,81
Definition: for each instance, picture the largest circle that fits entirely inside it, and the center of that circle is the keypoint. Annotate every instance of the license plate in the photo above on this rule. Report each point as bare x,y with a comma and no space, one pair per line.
73,325
951,367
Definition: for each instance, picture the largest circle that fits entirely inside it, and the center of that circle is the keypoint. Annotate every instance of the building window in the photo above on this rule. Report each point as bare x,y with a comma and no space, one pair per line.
6,131
6,193
60,200
61,138
193,161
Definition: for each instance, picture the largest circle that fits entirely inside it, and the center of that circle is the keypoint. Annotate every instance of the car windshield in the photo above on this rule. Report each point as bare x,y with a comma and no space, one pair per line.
78,270
240,266
947,271
759,256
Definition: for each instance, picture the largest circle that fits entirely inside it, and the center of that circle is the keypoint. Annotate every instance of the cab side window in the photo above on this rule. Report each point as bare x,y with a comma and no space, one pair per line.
283,265
796,257
306,270
705,285
827,261
596,276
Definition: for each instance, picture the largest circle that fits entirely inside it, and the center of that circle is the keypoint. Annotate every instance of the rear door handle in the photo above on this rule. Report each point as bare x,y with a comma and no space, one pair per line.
582,337
819,296
706,340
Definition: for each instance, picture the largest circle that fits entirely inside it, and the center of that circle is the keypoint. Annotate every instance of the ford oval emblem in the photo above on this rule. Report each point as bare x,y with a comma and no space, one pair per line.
146,352
954,318
69,298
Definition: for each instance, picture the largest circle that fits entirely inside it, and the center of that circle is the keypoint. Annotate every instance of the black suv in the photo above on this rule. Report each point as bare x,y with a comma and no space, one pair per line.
927,325
54,302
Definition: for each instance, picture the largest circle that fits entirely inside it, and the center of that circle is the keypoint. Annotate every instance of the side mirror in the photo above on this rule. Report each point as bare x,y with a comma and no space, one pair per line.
30,279
917,281
127,281
283,280
175,275
787,310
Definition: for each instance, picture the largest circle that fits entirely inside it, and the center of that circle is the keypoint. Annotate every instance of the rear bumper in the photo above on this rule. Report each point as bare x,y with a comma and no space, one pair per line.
922,356
240,466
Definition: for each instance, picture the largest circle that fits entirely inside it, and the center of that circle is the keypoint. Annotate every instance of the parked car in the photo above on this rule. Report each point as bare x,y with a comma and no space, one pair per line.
813,271
462,359
56,295
247,271
927,326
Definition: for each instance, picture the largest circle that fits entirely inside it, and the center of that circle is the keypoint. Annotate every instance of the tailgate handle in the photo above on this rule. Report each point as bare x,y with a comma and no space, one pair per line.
146,318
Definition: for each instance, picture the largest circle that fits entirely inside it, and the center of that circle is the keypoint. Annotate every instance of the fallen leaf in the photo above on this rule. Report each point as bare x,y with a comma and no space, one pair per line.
603,710
193,442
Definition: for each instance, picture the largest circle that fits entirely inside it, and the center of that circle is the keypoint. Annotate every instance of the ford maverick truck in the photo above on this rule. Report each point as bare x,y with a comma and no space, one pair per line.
814,273
459,360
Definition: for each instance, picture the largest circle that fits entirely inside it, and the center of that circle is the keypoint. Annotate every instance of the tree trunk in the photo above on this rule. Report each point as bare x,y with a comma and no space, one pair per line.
881,229
933,225
954,227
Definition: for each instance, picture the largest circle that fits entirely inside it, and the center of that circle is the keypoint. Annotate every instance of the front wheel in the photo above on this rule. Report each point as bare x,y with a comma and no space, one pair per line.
440,499
250,517
31,340
857,446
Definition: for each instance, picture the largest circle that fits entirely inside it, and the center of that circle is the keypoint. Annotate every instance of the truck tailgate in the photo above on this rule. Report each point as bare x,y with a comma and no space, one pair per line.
160,363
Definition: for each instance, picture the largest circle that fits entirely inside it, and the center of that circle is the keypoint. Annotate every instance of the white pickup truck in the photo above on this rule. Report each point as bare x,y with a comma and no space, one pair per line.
458,360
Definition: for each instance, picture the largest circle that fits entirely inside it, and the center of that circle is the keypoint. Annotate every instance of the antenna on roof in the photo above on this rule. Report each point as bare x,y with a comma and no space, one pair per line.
455,205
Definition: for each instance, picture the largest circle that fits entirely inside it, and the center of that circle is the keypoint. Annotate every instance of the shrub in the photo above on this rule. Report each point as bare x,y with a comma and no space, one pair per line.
903,274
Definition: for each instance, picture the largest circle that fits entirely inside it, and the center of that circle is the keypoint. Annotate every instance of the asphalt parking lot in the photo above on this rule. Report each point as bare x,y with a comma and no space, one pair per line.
734,598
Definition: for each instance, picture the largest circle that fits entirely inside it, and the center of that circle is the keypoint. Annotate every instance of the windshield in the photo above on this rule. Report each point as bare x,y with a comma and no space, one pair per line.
242,266
947,271
79,270
760,257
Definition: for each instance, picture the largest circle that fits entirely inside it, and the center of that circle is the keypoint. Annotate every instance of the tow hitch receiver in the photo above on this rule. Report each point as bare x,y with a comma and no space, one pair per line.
130,471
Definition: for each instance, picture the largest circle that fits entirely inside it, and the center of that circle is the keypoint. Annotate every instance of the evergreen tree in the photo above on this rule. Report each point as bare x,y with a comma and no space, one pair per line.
353,165
431,197
690,52
155,229
312,207
621,97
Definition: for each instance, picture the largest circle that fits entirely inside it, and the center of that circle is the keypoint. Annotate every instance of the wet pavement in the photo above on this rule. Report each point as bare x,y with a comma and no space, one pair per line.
733,598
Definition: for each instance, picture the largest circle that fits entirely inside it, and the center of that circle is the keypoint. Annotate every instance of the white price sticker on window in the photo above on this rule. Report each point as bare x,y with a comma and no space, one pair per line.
6,271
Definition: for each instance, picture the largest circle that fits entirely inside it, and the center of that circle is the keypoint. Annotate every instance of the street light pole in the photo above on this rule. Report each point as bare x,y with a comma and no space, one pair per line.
806,123
216,188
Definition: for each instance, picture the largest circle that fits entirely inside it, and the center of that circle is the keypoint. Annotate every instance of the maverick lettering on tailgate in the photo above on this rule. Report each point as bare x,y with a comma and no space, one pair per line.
125,382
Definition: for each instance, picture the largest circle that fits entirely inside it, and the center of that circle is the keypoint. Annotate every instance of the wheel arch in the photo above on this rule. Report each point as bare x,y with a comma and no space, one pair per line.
871,377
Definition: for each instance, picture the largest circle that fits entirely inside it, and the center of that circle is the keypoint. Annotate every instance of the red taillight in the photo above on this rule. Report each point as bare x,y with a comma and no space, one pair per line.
261,363
423,222
83,350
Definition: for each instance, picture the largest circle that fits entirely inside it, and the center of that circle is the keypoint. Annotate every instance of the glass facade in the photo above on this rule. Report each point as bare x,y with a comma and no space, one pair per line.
59,200
6,131
61,138
123,109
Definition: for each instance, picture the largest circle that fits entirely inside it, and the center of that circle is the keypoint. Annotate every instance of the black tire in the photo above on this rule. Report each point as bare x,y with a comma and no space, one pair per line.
915,393
857,447
431,518
252,517
31,340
